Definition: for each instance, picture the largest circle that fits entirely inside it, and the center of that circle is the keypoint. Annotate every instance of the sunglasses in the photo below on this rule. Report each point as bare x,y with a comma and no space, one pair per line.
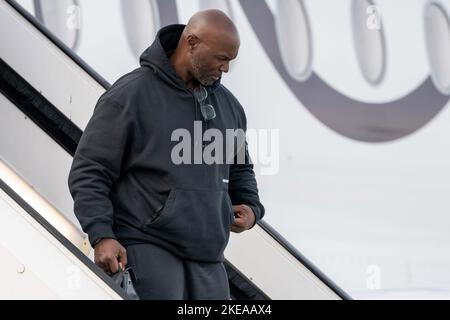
208,112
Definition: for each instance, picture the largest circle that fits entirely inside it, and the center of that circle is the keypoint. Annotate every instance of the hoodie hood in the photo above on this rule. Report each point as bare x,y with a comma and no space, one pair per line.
157,56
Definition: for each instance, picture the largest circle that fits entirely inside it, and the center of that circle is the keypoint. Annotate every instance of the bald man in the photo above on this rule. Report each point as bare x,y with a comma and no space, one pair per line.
141,192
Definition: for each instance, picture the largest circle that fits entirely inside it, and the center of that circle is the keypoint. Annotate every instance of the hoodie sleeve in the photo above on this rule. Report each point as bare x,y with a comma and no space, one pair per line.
96,166
243,187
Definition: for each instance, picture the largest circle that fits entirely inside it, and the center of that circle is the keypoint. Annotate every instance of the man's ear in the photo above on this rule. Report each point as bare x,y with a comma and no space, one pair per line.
193,41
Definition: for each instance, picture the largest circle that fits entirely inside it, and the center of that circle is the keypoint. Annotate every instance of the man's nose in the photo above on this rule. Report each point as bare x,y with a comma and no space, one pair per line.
225,67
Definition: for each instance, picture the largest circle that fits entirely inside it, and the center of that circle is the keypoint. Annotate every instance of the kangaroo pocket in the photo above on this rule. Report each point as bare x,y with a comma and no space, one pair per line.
196,222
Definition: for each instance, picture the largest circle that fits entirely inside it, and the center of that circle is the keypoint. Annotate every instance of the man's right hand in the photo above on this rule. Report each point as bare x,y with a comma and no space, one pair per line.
108,254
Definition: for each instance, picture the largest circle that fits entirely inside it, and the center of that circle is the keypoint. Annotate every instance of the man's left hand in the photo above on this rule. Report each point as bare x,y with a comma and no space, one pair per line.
244,218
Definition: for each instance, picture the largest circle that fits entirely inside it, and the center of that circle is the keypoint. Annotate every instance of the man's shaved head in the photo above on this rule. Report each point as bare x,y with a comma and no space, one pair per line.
213,23
208,44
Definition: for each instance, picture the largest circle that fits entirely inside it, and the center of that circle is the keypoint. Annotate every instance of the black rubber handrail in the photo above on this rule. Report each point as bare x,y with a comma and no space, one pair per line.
303,260
62,239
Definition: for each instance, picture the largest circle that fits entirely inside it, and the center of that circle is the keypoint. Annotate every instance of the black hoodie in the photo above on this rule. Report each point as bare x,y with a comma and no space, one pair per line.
123,181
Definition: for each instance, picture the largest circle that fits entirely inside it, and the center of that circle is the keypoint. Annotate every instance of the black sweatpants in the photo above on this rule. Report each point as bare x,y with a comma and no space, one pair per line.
164,276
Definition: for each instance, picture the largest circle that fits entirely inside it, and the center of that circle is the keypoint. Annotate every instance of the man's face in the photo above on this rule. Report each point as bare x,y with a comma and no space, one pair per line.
211,57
